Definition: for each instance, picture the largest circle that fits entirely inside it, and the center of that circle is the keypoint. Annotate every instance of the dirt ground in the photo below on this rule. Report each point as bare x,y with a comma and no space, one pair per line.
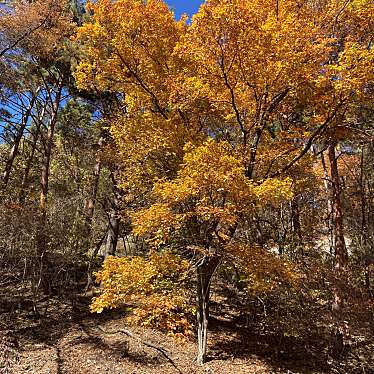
78,346
68,341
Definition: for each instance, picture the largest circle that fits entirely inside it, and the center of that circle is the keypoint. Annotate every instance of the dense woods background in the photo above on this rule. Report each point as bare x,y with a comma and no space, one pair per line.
206,174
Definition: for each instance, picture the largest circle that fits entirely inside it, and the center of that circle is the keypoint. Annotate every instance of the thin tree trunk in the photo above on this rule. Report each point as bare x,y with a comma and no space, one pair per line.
341,254
14,150
42,241
90,206
26,172
363,202
205,271
114,221
90,210
329,205
44,180
368,260
296,225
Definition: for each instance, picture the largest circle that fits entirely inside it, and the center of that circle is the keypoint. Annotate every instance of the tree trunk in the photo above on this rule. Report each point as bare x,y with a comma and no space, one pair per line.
114,221
90,210
26,172
14,150
341,254
296,225
205,271
90,206
364,226
44,180
253,152
329,205
337,343
112,237
42,242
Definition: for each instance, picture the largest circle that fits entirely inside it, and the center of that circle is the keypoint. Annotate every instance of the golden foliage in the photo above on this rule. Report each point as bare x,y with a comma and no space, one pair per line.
263,270
128,48
211,186
236,73
170,313
155,286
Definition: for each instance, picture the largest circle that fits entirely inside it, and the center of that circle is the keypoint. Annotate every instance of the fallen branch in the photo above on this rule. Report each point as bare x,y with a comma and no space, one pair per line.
162,350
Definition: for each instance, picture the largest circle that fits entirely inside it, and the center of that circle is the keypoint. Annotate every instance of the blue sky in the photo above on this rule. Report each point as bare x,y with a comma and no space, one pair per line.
184,6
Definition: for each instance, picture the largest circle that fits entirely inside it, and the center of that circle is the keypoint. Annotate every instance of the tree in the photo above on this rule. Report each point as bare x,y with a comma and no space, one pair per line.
217,116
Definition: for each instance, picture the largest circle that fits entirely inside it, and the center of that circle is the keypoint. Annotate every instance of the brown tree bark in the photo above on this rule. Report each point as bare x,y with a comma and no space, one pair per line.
341,254
326,183
364,225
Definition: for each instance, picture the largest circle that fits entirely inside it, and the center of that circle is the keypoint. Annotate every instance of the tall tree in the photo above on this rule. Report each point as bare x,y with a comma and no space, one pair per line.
217,115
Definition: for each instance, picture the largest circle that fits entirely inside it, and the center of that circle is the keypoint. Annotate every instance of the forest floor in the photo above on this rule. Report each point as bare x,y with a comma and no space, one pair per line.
67,340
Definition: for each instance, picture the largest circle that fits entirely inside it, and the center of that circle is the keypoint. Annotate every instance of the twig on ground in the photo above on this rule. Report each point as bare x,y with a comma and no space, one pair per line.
144,342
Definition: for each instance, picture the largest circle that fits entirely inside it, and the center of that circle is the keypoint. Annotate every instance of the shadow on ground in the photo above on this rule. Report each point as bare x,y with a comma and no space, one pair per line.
308,353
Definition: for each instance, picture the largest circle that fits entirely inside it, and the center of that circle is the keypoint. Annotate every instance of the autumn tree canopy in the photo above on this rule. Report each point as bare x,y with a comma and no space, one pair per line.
219,114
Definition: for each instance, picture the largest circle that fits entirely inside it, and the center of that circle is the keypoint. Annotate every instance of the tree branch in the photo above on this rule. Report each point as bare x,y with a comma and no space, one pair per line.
142,84
308,145
144,342
22,37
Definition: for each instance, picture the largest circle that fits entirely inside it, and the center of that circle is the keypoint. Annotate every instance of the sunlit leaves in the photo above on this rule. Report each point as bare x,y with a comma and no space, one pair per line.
129,45
155,287
263,271
244,51
211,186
